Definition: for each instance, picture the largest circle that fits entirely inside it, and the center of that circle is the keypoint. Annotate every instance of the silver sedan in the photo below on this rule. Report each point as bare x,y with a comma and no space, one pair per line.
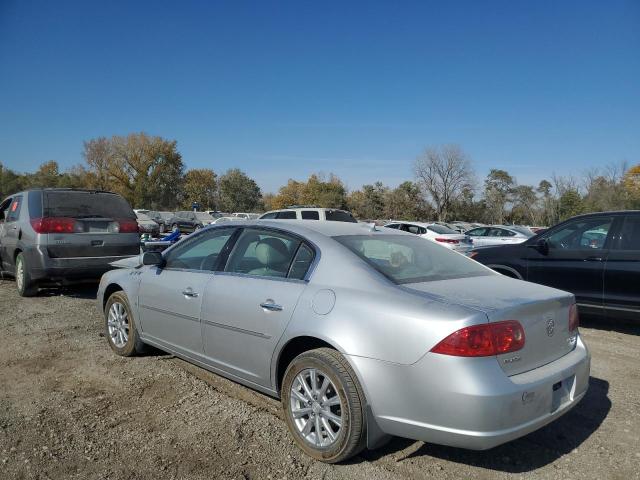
362,332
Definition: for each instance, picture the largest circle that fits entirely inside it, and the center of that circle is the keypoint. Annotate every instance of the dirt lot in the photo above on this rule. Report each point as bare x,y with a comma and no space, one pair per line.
69,408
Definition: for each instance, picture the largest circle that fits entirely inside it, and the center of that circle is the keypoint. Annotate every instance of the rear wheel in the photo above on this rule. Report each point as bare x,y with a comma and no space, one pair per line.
120,327
26,287
323,404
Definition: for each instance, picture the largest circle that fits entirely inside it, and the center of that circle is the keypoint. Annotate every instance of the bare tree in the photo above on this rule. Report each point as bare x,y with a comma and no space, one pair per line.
443,173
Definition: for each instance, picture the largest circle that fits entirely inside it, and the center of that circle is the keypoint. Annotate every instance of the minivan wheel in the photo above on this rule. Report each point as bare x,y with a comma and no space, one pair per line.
24,284
323,404
120,327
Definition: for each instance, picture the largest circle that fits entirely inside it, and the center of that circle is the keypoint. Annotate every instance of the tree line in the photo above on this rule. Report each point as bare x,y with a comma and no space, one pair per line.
150,173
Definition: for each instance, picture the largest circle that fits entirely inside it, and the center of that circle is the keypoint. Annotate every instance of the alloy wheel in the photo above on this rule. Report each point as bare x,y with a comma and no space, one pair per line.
118,325
316,408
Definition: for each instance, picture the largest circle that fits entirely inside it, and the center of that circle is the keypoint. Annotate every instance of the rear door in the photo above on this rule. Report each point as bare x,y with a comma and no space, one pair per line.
170,298
90,225
575,261
9,228
622,271
248,306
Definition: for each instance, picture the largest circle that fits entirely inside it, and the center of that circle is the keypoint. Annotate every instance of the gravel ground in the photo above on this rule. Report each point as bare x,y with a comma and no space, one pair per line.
70,408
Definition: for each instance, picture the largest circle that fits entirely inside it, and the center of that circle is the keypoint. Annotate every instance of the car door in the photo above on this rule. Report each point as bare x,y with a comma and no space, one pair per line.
10,231
248,305
577,251
170,298
502,236
622,271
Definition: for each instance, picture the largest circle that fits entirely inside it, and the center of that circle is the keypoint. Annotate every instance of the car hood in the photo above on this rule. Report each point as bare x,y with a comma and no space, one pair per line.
130,262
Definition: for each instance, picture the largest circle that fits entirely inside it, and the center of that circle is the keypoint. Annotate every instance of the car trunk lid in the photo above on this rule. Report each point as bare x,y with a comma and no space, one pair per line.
543,312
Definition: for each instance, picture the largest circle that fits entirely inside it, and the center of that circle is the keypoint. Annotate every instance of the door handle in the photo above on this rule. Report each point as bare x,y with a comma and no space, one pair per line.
593,259
189,293
271,306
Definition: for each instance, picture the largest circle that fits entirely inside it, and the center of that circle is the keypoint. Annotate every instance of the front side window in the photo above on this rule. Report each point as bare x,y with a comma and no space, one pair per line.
287,215
415,229
405,259
441,229
393,225
269,215
582,234
266,253
200,252
630,234
4,210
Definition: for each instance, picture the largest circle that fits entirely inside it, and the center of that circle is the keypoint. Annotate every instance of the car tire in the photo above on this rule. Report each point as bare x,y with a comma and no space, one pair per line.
120,326
24,284
321,409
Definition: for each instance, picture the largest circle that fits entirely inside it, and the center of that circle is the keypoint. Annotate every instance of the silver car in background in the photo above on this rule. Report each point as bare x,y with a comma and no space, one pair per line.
362,332
499,235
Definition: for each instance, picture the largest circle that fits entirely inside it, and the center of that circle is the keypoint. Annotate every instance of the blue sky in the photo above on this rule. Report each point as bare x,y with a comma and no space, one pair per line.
284,89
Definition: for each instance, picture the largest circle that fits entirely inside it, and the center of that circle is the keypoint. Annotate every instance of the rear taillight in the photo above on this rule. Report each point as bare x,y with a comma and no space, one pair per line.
127,226
447,240
574,318
483,340
54,225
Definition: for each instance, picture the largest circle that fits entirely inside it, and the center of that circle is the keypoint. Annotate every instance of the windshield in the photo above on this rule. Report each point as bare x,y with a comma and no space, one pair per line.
408,259
441,229
81,204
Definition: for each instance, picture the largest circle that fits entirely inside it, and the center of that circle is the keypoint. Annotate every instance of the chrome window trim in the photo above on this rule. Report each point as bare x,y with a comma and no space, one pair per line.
260,277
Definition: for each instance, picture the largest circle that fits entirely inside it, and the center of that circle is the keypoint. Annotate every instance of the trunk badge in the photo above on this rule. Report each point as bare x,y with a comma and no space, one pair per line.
551,325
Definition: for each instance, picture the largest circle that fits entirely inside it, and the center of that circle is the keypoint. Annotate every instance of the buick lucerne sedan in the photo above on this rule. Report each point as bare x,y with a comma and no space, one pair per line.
362,332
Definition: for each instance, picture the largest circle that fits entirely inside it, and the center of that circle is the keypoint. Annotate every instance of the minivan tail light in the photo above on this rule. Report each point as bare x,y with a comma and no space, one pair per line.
127,226
447,240
483,340
574,318
54,225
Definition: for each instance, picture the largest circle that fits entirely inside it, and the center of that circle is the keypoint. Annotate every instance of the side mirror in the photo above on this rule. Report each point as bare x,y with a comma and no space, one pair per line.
541,246
153,258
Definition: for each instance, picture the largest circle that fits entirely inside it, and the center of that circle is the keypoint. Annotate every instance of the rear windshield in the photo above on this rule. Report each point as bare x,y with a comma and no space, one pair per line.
408,259
86,205
441,229
339,216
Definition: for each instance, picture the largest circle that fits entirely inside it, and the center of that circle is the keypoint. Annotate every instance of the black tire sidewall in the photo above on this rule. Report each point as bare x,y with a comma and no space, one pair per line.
28,288
343,447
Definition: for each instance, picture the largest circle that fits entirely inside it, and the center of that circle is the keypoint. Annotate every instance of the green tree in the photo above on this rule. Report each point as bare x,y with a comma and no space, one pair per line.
570,204
238,192
315,191
497,190
369,202
200,186
10,182
146,170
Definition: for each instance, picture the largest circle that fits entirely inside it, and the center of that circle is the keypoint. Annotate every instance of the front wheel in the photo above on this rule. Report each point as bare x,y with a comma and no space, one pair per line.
25,286
120,327
323,404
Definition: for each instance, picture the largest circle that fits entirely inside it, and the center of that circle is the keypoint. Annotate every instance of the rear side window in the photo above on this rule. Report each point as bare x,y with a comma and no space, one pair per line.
77,204
339,216
477,232
14,210
287,215
630,234
310,215
269,215
415,229
395,226
301,262
441,229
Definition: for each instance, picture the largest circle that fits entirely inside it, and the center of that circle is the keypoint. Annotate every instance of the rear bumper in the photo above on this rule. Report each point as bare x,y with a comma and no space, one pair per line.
44,269
470,403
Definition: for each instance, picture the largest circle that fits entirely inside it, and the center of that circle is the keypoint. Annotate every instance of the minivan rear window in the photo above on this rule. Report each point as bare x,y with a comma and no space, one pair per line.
78,204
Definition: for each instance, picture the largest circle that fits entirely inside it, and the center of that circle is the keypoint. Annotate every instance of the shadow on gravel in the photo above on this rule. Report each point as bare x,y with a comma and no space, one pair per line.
85,291
528,453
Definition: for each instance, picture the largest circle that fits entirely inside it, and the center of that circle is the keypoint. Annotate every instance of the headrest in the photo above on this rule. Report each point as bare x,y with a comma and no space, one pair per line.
271,251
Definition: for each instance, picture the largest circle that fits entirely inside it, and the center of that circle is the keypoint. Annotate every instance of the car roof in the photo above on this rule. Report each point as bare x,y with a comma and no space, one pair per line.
328,229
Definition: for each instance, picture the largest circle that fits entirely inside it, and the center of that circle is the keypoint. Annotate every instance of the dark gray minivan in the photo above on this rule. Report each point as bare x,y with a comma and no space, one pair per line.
58,236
